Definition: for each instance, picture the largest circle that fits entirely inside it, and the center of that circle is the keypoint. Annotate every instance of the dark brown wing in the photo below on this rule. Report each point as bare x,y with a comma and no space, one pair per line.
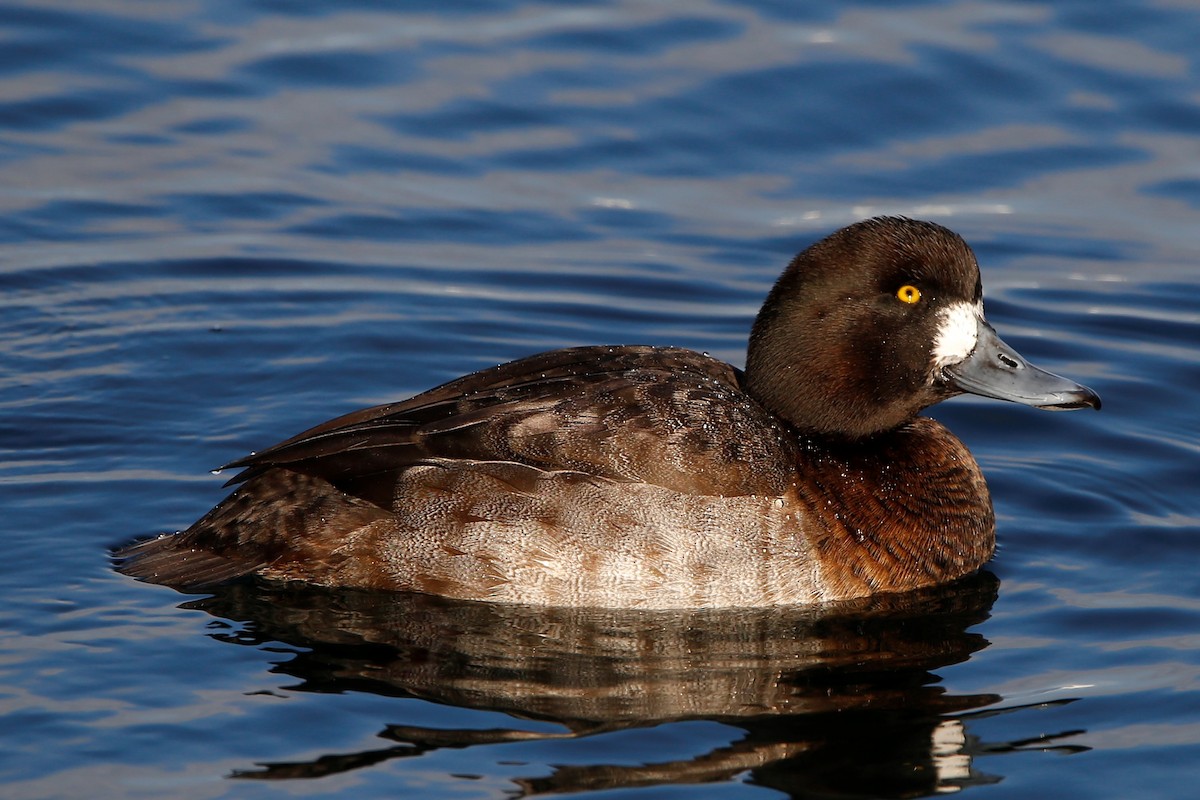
664,416
667,416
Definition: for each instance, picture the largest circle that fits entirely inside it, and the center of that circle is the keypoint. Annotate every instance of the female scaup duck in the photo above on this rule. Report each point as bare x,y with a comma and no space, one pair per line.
657,477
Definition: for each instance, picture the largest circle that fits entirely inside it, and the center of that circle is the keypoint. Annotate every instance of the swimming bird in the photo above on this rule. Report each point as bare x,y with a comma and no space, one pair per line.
658,477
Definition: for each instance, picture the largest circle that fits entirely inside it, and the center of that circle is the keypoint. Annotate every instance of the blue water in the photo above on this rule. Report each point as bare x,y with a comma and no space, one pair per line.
223,222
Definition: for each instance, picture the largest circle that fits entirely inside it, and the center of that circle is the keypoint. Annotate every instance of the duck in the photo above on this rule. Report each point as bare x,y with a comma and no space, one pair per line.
657,477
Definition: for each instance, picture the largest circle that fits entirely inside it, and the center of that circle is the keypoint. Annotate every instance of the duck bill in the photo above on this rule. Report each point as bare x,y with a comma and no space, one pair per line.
993,369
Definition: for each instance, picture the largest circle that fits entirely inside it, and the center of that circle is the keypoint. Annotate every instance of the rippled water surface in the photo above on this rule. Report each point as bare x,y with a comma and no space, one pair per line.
223,222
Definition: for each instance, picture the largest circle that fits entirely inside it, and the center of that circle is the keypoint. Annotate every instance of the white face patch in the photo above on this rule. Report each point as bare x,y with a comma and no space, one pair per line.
957,333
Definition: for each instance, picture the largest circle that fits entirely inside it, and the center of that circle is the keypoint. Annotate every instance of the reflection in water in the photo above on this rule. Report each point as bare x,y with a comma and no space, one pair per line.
835,702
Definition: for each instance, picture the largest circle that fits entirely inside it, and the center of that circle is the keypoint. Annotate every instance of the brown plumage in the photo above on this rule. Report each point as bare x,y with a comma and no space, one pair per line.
658,477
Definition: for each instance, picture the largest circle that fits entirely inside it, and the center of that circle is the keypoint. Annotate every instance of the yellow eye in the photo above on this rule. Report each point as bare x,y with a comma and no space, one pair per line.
908,294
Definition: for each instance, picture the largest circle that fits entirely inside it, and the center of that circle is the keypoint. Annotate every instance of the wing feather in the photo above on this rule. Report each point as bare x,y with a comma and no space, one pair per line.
656,415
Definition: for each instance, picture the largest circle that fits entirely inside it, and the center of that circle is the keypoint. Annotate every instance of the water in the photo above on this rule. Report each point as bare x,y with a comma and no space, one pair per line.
224,222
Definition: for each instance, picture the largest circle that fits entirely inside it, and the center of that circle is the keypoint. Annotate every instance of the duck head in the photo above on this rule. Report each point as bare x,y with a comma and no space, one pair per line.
878,321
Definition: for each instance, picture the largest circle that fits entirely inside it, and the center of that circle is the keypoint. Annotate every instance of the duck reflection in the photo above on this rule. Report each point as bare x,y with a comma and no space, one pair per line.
834,702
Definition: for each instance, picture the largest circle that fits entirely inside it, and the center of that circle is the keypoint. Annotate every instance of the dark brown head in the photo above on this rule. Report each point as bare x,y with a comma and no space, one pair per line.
879,320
